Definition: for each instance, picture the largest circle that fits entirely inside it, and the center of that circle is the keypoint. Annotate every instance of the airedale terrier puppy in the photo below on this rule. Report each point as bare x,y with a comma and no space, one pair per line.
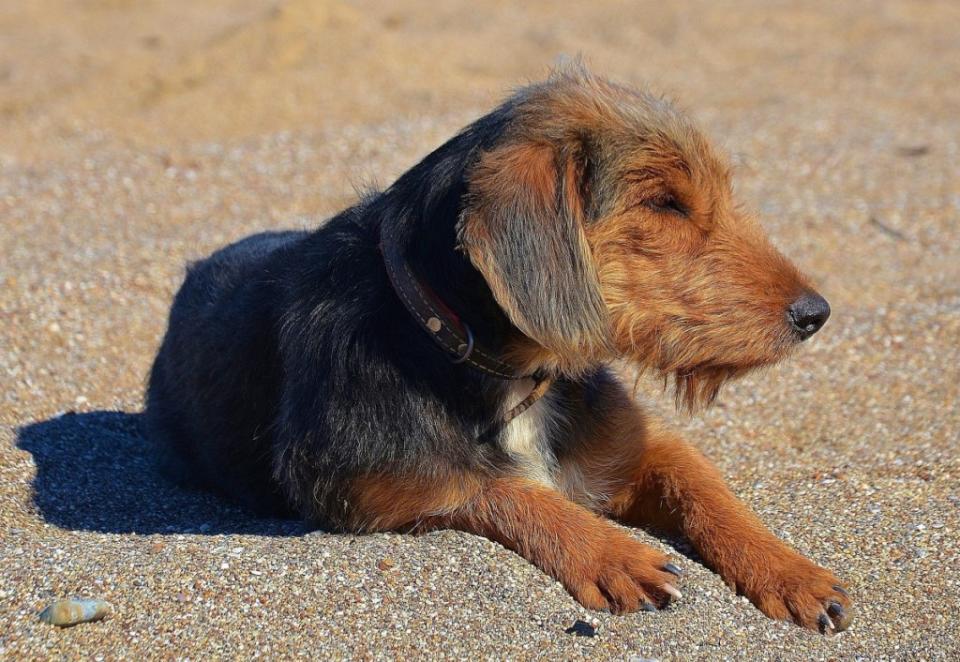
437,356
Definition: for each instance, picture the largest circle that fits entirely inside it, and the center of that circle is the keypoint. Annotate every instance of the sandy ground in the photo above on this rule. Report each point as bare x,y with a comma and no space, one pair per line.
135,136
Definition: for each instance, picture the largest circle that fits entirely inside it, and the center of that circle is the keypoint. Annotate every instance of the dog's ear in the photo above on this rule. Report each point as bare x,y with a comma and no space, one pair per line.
522,228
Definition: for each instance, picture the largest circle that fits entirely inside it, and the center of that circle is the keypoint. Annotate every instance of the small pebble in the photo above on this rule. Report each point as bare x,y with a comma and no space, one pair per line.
69,612
386,563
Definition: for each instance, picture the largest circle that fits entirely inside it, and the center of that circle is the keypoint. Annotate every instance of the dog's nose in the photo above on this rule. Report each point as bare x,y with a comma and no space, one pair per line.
808,313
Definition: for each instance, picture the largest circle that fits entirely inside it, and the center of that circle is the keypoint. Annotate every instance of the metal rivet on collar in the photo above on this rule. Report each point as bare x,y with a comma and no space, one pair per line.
434,324
465,349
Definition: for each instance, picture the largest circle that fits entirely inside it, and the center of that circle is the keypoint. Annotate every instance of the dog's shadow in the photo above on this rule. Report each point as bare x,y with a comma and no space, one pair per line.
97,472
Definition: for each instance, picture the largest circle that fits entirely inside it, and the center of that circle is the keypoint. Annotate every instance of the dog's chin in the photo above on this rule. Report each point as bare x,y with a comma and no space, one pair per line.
696,387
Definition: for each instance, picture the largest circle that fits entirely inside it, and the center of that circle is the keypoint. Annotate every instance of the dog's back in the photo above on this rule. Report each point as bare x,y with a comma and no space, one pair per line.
215,378
284,356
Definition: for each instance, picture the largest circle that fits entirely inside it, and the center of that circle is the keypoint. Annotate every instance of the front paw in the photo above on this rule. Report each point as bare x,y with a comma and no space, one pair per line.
621,575
792,588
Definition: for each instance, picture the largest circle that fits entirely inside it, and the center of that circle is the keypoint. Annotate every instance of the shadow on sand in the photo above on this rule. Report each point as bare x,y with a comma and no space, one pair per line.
97,472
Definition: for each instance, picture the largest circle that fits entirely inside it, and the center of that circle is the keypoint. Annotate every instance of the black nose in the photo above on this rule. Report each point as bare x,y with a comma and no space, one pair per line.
807,314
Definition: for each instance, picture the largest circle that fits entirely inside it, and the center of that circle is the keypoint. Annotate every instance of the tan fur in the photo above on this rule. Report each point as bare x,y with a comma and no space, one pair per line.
387,502
635,471
601,566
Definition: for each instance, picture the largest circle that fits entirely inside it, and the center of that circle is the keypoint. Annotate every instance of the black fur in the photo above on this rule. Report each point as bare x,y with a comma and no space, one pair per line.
290,366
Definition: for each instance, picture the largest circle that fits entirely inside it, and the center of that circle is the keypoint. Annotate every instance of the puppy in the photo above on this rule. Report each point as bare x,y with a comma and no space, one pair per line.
436,356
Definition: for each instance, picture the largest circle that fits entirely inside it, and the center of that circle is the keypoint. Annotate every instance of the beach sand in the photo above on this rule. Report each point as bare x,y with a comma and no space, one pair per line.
136,136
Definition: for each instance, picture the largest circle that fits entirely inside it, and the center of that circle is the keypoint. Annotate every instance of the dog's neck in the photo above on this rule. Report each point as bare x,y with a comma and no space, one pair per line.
438,319
451,333
422,210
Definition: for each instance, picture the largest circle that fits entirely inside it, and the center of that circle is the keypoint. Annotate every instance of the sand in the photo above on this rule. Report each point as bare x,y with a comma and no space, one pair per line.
137,136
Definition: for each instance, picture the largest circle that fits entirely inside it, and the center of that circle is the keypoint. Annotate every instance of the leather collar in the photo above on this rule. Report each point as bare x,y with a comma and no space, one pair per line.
437,319
452,334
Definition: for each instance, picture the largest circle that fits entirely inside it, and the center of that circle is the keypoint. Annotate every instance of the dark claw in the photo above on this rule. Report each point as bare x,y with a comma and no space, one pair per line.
824,622
648,606
836,609
673,570
841,591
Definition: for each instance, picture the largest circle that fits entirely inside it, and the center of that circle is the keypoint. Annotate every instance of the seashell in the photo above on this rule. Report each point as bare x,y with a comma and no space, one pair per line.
66,613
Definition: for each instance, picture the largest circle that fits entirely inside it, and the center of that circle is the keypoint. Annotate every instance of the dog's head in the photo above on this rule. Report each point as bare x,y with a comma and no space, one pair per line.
605,226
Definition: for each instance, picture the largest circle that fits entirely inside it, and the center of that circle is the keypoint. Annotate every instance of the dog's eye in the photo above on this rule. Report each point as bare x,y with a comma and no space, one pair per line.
667,204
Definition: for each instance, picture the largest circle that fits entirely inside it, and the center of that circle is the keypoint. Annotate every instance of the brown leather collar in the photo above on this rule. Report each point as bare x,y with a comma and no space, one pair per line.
452,334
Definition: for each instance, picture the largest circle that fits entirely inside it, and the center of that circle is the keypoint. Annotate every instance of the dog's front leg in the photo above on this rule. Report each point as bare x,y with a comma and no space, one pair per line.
598,563
671,486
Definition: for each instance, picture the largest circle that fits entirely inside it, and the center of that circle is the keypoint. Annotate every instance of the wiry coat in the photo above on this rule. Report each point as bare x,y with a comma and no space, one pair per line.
578,223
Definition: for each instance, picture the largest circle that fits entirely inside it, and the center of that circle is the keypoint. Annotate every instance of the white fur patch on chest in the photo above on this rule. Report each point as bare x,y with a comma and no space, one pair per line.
527,437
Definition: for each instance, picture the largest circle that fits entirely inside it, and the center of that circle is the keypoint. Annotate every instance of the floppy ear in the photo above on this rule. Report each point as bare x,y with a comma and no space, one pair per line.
522,229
